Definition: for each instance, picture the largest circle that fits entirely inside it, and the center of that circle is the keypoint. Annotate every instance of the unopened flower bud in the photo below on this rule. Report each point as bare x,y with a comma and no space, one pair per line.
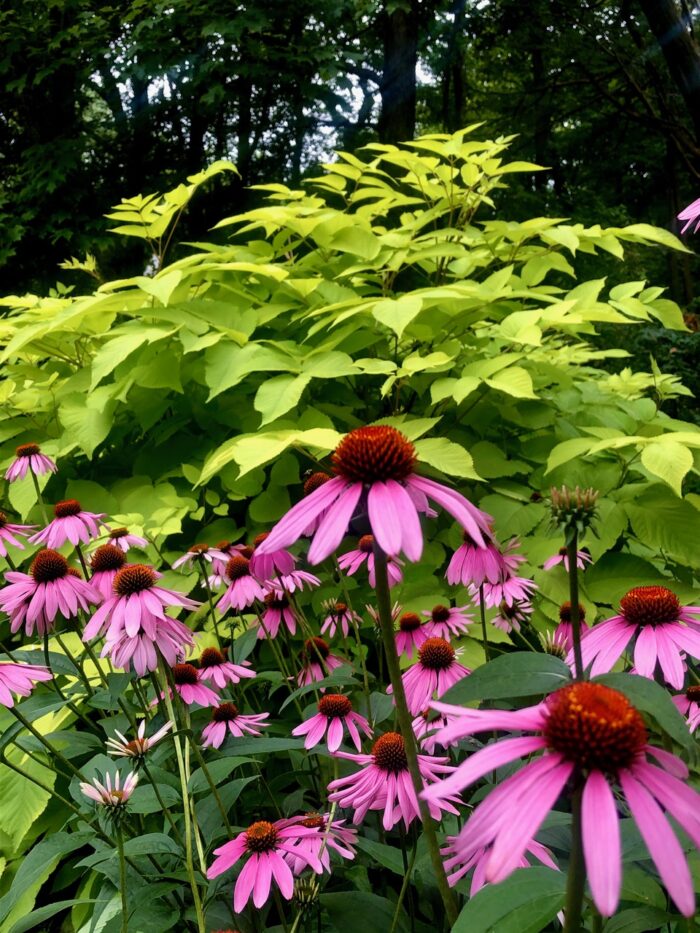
305,892
573,509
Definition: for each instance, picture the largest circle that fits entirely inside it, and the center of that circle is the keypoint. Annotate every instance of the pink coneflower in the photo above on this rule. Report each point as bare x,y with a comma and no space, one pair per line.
227,718
591,733
267,566
334,713
291,582
471,564
374,469
29,457
214,666
384,783
266,844
411,634
189,687
114,797
243,588
340,616
563,634
425,730
121,538
510,617
446,622
663,630
509,590
217,579
457,865
434,673
138,747
48,590
277,611
8,532
351,561
313,482
104,564
136,624
19,679
70,524
690,214
199,552
333,835
561,557
688,703
316,661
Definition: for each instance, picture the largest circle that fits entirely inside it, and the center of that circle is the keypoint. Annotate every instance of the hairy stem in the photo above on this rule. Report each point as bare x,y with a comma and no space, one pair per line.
40,498
576,878
572,557
122,880
484,633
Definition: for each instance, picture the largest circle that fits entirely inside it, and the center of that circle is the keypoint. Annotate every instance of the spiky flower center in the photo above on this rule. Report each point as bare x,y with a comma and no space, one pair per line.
436,654
258,539
389,753
440,613
273,601
409,622
66,508
650,605
374,454
48,565
119,533
134,578
314,482
693,693
107,557
198,549
136,747
594,726
334,704
313,821
237,567
315,648
225,712
509,612
223,546
565,612
366,544
211,657
261,837
185,674
339,609
74,572
27,450
562,552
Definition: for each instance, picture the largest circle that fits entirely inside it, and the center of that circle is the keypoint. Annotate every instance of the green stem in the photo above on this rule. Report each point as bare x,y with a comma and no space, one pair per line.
408,869
163,806
484,634
210,598
81,558
10,562
572,557
122,880
406,728
358,639
212,786
44,513
78,667
280,908
47,745
576,877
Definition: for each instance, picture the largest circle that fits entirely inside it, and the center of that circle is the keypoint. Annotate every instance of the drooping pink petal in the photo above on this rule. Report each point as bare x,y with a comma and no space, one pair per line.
680,800
245,883
469,517
263,878
292,526
601,843
283,874
645,652
672,763
334,524
670,660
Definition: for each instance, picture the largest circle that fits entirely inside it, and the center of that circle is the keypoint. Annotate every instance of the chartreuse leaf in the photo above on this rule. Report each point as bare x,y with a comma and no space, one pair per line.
518,674
524,903
397,313
278,395
651,698
447,456
668,460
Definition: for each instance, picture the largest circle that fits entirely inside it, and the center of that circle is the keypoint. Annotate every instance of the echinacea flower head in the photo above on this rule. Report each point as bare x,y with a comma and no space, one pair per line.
510,617
312,482
426,726
473,564
227,718
189,687
562,557
384,783
690,214
663,632
688,703
448,622
374,474
265,844
29,457
563,634
335,713
510,590
72,523
351,561
411,634
19,679
293,581
34,600
136,623
277,610
217,578
113,796
458,866
316,661
267,566
331,835
214,666
592,734
124,540
243,589
136,748
436,670
198,553
105,561
8,530
339,616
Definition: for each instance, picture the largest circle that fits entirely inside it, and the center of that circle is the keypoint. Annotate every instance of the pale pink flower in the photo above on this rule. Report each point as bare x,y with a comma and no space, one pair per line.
690,214
340,616
662,629
71,523
291,582
138,747
121,538
335,713
426,730
563,634
113,796
333,835
509,588
189,687
592,733
561,557
509,618
411,634
29,457
457,865
266,845
243,589
688,704
105,561
374,469
199,552
267,566
19,679
277,611
316,661
8,531
473,564
226,717
49,589
351,561
384,783
214,666
433,674
448,622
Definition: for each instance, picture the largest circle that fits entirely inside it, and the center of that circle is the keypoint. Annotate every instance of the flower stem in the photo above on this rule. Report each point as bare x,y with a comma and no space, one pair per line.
406,728
163,806
47,745
572,558
576,878
210,781
210,598
122,880
356,632
484,633
407,871
10,562
40,498
81,558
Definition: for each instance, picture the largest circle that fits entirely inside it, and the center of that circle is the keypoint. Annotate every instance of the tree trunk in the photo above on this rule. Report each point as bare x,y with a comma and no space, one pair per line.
399,30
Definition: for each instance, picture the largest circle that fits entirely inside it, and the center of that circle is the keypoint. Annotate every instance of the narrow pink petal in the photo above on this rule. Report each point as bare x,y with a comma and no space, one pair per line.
334,524
670,660
671,762
411,532
292,526
282,873
335,734
645,651
469,517
261,888
384,518
244,884
601,843
681,801
317,730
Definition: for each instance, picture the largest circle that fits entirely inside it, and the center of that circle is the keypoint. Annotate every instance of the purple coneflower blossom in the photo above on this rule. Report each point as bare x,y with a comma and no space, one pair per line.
563,634
312,482
333,835
104,564
266,844
70,524
136,624
214,666
688,703
351,561
411,634
374,469
217,579
663,630
473,564
690,214
138,747
199,552
19,679
434,673
458,866
446,622
291,582
227,718
267,566
8,532
340,616
510,617
277,611
592,733
121,538
243,588
384,783
425,730
334,713
114,797
49,589
561,557
316,661
189,687
29,457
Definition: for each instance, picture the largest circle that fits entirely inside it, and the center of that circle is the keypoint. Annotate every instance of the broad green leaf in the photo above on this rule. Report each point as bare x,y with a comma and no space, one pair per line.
669,461
351,911
87,425
514,381
253,450
517,674
278,395
162,286
228,364
446,456
525,902
115,351
650,697
616,573
568,450
669,524
637,920
382,854
397,313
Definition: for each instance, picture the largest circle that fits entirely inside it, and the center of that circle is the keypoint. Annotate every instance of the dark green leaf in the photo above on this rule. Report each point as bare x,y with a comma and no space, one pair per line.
650,698
524,903
518,674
